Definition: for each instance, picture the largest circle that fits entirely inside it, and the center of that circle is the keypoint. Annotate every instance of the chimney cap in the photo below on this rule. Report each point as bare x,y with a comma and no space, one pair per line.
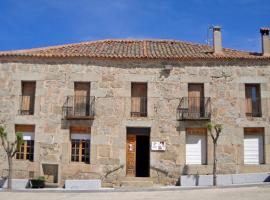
264,30
216,28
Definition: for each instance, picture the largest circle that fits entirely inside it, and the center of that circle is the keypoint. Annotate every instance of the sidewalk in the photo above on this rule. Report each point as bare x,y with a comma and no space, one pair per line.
131,189
261,192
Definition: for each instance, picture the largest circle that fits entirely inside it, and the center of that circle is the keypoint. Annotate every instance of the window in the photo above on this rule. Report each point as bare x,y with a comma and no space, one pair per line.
80,144
81,98
196,108
28,98
138,99
26,152
196,146
253,146
253,100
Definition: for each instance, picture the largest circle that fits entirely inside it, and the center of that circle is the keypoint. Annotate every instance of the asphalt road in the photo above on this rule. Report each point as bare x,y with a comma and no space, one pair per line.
241,193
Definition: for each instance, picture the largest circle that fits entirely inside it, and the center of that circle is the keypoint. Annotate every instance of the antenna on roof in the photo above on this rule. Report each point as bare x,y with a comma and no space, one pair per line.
209,39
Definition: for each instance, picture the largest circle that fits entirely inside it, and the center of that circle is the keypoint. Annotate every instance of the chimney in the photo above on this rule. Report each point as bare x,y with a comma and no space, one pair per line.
265,41
217,42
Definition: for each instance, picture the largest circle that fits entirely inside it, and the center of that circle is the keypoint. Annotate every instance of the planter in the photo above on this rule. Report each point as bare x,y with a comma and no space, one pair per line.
36,183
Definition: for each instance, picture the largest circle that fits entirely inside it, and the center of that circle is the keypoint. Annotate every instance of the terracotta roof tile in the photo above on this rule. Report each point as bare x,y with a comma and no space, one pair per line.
153,49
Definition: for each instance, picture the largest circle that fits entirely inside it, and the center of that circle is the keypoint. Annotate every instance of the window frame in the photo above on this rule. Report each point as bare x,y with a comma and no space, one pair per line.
255,131
80,156
202,132
27,100
248,89
80,135
27,148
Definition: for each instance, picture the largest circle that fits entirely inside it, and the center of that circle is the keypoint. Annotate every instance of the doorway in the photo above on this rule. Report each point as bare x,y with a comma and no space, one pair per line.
138,152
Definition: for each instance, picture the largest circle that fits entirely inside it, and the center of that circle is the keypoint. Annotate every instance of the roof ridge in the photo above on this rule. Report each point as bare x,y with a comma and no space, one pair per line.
102,41
132,48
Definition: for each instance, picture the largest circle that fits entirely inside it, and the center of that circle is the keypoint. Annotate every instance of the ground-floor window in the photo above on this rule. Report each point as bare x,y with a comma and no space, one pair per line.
26,151
253,145
196,146
80,144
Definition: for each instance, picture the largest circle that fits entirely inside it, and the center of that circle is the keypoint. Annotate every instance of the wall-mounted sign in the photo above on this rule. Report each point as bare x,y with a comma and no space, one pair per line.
158,146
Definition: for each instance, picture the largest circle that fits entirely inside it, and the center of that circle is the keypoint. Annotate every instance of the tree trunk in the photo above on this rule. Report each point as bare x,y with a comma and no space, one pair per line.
215,165
9,185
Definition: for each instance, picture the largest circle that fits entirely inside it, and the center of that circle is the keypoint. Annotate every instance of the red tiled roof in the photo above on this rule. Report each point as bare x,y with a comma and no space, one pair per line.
152,49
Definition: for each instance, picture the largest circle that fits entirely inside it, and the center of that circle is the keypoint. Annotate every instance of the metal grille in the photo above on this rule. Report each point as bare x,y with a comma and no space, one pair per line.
79,107
194,108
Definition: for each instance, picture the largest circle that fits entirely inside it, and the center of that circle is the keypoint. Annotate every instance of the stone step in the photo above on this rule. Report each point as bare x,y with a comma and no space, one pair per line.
130,178
136,182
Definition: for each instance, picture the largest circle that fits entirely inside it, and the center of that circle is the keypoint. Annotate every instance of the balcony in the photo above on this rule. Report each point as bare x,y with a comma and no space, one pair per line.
27,104
253,107
194,108
79,107
138,107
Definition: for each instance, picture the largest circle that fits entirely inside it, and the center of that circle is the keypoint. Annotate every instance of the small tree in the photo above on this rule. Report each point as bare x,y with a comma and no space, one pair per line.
11,149
215,131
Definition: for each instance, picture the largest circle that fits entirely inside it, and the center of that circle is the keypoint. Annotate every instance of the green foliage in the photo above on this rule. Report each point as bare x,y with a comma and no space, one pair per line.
41,178
209,126
19,138
3,133
218,127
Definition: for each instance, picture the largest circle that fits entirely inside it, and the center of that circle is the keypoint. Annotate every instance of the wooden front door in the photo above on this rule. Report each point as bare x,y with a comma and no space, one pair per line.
131,155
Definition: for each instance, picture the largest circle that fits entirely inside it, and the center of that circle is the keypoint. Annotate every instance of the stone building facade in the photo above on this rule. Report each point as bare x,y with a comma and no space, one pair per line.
224,79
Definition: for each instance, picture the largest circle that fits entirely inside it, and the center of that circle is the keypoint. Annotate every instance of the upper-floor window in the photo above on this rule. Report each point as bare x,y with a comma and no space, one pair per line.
138,99
196,100
253,100
26,151
27,103
81,98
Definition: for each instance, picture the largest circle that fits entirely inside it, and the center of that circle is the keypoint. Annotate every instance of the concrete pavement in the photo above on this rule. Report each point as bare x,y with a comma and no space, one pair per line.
261,192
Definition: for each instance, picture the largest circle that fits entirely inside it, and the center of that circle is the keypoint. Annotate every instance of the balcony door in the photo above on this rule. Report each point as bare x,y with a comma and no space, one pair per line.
28,97
81,98
196,100
253,100
139,99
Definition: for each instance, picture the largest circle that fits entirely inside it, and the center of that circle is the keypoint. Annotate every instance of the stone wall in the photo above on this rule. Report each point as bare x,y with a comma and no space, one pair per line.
111,85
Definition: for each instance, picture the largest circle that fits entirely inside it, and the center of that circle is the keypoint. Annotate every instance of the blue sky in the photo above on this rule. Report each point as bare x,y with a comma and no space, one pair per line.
38,23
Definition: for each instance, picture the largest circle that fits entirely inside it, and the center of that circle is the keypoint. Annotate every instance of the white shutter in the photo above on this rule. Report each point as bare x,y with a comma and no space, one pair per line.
80,136
253,149
195,149
28,136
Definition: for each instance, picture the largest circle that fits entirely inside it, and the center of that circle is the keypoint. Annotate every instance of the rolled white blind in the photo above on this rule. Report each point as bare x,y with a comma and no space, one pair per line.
28,136
79,136
195,149
253,149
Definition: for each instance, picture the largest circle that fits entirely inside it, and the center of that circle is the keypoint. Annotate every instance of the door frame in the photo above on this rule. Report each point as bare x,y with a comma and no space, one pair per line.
137,131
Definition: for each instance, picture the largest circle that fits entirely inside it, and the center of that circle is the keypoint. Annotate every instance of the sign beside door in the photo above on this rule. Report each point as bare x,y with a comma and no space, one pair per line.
158,146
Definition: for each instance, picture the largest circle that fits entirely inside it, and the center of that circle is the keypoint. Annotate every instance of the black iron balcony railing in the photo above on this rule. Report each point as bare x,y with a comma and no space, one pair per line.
194,108
27,104
138,107
253,107
79,107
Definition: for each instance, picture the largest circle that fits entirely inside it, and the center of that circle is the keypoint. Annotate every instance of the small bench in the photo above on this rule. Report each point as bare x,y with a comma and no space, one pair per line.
91,184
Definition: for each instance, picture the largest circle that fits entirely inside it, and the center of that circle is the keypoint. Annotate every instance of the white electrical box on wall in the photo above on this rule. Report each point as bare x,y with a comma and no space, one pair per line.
158,146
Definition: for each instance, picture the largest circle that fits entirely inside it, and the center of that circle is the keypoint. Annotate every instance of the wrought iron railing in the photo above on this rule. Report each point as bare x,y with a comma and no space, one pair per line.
253,107
27,104
79,107
192,108
138,107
